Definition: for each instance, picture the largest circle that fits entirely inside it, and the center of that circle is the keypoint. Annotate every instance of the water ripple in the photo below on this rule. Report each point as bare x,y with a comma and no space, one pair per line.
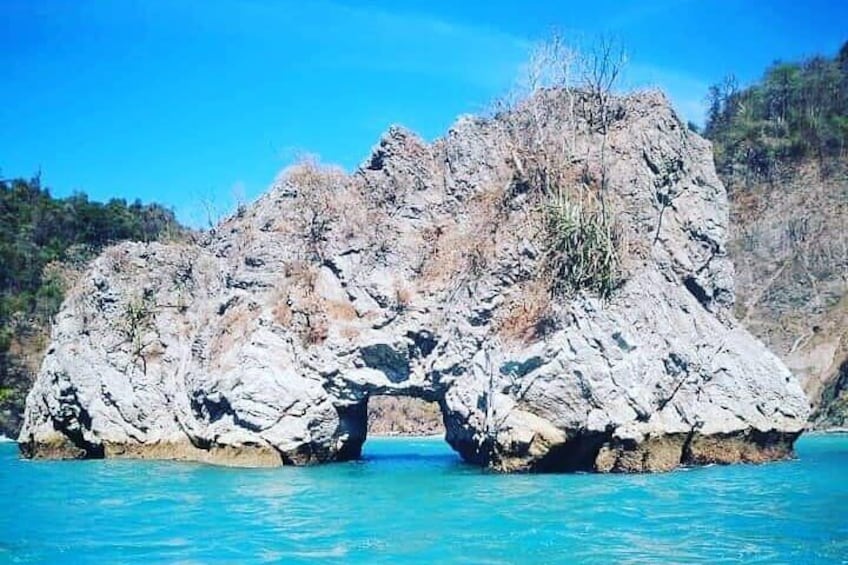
414,501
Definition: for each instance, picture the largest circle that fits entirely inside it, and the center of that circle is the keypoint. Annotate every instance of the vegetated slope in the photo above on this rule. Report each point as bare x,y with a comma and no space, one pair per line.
555,277
403,416
45,242
781,148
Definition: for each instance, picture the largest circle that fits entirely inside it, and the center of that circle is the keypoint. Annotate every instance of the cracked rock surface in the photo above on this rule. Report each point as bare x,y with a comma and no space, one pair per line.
418,275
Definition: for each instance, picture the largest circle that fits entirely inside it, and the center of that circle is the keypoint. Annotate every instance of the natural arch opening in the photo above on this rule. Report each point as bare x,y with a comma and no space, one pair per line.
419,425
387,416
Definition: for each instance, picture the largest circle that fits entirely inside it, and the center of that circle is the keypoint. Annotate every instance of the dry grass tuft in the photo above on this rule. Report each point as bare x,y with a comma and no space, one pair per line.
446,259
337,310
350,333
282,313
404,295
329,204
317,330
298,306
301,275
466,247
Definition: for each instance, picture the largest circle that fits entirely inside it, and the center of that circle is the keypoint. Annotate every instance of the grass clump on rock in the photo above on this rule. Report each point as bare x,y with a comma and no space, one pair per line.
580,246
557,141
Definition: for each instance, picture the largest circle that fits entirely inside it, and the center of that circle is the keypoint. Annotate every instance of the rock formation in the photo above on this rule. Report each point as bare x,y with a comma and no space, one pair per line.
789,243
421,275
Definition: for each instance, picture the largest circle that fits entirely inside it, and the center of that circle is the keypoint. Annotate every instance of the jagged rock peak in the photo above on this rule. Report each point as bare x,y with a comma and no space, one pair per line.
554,276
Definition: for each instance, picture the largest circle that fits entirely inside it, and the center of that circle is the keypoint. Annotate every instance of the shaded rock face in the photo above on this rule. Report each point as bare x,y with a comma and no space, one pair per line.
789,243
418,276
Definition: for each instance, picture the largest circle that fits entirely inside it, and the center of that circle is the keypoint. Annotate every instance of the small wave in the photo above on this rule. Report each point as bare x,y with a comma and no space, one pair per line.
4,439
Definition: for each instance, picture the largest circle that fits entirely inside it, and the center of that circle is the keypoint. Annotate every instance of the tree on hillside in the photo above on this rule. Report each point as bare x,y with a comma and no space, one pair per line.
796,111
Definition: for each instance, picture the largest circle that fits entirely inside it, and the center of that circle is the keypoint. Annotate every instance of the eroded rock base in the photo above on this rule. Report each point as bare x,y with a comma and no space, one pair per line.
587,452
667,452
224,455
600,452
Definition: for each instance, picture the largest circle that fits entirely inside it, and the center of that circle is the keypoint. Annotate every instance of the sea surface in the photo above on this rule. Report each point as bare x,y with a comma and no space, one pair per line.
412,500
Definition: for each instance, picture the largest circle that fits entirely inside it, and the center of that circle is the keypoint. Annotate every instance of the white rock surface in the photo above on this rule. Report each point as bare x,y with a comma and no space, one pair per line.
261,344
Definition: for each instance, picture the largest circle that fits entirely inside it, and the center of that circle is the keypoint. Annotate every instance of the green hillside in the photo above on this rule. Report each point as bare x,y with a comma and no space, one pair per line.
43,241
797,111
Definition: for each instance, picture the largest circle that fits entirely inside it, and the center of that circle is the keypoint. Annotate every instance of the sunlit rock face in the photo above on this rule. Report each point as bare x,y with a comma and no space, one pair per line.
422,274
789,245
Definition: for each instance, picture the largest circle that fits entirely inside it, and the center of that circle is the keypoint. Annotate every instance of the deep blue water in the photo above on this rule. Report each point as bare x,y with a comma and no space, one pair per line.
413,500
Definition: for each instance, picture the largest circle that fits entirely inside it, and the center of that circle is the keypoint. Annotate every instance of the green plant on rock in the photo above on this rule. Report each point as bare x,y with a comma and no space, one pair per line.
134,325
580,245
569,96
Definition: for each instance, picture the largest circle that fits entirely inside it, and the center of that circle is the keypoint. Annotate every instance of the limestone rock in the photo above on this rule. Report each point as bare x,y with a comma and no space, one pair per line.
419,275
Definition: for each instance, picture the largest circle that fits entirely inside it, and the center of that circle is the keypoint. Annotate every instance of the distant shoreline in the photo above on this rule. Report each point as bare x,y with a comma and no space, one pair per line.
404,436
829,431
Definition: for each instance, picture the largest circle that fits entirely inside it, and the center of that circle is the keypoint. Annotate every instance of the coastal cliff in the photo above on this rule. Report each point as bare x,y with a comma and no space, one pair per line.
555,277
780,149
789,244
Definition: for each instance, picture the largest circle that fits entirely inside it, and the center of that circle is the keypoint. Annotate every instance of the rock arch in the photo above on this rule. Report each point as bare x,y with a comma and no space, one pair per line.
260,343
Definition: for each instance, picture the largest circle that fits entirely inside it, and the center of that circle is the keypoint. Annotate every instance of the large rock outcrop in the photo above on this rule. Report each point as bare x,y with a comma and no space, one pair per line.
419,275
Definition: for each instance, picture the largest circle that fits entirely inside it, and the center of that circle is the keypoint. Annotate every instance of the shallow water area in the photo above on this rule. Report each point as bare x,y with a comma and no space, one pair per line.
413,500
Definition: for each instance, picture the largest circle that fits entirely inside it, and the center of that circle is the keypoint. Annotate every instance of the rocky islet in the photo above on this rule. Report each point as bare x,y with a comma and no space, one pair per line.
418,275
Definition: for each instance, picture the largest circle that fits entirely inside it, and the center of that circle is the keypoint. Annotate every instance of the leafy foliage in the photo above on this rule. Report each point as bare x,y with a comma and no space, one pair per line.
36,229
137,320
796,111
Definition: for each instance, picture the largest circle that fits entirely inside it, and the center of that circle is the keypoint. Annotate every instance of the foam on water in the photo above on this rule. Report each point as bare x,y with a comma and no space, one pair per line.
413,500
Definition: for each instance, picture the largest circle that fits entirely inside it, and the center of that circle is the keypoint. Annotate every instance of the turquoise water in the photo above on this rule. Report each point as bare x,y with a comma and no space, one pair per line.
413,500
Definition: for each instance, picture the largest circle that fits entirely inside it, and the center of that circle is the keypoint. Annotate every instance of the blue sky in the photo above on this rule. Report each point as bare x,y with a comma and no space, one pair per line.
186,102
